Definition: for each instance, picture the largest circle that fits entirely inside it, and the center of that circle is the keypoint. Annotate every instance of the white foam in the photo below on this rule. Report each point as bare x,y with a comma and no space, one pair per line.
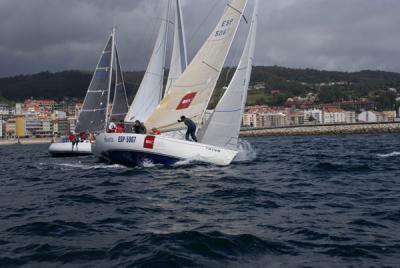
87,167
147,163
389,155
246,152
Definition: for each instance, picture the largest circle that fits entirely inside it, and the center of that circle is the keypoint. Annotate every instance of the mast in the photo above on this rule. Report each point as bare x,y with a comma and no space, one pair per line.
110,79
165,47
179,54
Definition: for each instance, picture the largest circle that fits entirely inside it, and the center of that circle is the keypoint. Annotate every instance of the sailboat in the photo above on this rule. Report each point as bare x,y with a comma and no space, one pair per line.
189,96
95,113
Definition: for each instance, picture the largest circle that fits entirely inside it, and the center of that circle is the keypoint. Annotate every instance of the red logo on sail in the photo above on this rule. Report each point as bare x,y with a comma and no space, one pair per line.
149,142
186,101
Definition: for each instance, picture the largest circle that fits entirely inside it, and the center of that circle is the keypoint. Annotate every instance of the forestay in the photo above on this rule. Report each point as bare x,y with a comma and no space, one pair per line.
224,125
179,54
191,93
151,89
120,102
93,115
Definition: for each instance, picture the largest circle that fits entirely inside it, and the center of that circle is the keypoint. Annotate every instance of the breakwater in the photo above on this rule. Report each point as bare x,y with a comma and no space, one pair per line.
334,129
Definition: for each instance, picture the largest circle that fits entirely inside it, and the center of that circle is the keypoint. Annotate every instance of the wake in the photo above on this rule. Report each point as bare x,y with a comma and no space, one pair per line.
389,155
88,167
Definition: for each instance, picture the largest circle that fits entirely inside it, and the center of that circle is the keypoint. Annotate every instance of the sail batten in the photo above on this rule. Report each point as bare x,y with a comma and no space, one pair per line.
223,127
94,109
191,92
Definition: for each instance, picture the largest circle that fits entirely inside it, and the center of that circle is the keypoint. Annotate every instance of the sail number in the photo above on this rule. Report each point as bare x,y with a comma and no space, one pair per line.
127,139
225,23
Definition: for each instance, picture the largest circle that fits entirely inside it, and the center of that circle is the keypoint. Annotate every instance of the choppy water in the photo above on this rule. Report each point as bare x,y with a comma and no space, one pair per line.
303,202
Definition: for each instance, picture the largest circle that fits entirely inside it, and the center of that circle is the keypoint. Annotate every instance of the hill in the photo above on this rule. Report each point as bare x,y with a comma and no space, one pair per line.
275,85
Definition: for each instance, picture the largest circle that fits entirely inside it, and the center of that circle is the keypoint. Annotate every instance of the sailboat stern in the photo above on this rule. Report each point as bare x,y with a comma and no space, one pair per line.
137,149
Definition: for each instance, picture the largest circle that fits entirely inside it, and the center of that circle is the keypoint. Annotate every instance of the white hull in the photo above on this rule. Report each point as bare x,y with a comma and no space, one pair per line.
65,149
133,149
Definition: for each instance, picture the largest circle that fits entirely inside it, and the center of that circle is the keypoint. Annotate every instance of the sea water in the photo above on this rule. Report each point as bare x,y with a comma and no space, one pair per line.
328,201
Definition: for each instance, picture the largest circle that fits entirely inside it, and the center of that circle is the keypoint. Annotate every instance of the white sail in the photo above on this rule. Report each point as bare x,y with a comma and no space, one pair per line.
150,90
94,110
179,54
224,125
192,91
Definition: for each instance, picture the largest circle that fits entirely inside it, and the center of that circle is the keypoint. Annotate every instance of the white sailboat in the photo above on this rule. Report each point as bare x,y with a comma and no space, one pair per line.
189,96
94,114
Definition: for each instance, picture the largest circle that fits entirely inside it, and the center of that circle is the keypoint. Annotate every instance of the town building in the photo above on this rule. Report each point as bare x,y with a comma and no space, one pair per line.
10,128
313,116
333,115
295,118
371,117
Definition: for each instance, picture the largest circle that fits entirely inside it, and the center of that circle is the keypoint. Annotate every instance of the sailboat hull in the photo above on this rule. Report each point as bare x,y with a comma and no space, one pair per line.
64,149
137,149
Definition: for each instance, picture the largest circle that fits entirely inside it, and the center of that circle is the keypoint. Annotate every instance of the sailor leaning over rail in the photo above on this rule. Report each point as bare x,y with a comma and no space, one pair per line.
191,128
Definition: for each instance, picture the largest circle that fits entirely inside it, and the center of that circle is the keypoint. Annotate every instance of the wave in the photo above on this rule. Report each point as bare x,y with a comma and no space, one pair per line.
88,167
389,155
246,152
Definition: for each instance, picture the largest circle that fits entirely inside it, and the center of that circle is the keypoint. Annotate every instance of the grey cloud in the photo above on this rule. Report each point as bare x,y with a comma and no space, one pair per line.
37,35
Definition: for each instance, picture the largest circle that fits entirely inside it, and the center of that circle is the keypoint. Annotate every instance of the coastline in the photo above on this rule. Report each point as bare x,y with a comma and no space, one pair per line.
307,130
315,130
26,141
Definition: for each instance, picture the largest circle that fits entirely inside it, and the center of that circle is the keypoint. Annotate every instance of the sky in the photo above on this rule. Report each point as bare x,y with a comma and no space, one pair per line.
57,35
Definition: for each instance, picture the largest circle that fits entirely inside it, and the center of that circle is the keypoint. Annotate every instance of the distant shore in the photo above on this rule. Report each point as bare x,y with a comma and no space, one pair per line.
309,130
26,141
312,130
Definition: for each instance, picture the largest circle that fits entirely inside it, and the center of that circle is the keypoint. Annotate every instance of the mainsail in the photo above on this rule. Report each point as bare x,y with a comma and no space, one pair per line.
224,125
94,110
192,91
150,90
120,102
179,54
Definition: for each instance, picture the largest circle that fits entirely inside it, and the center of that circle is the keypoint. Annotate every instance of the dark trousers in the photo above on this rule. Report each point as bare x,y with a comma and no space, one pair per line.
192,133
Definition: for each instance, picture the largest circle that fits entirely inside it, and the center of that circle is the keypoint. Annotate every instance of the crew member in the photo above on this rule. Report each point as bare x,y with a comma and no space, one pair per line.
75,142
92,138
71,137
112,127
120,127
139,127
83,136
191,128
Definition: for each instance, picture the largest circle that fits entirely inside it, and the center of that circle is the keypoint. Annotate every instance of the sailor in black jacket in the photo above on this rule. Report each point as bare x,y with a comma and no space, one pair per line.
191,128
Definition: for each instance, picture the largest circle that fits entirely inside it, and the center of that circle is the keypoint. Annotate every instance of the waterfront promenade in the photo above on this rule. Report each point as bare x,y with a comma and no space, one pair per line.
336,129
25,141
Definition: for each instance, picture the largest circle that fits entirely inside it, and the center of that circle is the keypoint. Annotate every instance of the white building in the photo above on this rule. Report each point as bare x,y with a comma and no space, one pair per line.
1,128
332,115
18,108
350,117
313,116
371,117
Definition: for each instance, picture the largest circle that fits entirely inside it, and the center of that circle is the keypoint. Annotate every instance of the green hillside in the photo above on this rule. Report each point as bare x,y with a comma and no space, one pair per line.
277,84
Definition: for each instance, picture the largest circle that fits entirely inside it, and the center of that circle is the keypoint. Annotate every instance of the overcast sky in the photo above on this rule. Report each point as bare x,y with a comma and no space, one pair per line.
56,35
